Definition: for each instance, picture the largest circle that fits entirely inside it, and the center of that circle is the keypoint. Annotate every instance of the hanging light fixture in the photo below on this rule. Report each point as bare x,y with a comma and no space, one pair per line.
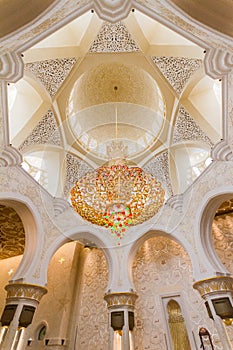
117,195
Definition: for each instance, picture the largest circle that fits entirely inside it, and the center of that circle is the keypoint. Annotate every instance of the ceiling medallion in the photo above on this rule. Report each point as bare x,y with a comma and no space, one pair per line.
117,195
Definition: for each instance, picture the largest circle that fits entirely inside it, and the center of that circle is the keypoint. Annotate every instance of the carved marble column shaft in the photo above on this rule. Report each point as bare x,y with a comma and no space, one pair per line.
219,65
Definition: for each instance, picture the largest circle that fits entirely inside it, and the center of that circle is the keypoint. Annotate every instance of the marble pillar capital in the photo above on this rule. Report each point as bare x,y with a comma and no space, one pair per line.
217,284
17,291
119,299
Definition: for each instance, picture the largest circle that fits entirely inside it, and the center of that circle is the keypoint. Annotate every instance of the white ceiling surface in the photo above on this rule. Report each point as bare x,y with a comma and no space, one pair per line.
146,129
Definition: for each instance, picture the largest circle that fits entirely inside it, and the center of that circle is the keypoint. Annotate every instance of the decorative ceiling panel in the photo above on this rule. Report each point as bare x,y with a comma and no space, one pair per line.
12,235
51,73
75,170
187,129
177,70
159,168
114,38
46,132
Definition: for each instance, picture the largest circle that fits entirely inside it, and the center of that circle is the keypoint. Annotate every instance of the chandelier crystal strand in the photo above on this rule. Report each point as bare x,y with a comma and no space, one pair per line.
116,195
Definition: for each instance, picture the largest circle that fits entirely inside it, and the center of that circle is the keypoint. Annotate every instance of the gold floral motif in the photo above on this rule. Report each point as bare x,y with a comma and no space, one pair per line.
215,284
23,290
12,235
114,38
120,299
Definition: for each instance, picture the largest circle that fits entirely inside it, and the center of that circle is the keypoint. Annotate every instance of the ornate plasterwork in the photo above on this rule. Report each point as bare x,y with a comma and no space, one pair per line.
45,132
12,235
177,70
68,9
176,202
213,285
75,169
162,270
93,312
222,233
11,67
120,299
159,168
169,14
134,85
114,38
51,73
51,17
218,63
222,151
9,156
25,291
187,129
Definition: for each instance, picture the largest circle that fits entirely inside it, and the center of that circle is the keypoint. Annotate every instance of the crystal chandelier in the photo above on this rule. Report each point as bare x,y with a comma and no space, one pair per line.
117,195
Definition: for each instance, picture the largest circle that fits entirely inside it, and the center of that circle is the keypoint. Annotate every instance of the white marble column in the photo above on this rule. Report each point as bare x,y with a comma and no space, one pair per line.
216,288
20,294
123,302
11,70
219,65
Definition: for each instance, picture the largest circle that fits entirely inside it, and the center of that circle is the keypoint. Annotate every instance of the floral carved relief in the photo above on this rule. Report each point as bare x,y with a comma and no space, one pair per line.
93,318
12,235
187,129
222,233
45,132
114,38
159,168
161,268
177,70
51,73
26,291
75,169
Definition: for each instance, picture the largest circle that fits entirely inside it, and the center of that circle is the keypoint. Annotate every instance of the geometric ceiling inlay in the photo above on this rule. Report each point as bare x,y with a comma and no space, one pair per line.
46,132
12,235
177,70
51,73
187,129
159,168
114,38
75,170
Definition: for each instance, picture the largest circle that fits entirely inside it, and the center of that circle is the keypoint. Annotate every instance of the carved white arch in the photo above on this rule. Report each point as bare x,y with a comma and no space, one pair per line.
62,12
34,233
203,227
174,237
79,233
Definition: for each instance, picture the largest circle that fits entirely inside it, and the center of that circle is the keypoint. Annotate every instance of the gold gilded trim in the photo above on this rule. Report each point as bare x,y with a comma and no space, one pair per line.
120,299
24,290
214,284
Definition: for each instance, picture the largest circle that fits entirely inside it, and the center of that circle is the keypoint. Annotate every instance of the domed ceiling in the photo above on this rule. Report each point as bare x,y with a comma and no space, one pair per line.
93,81
214,14
16,13
113,101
